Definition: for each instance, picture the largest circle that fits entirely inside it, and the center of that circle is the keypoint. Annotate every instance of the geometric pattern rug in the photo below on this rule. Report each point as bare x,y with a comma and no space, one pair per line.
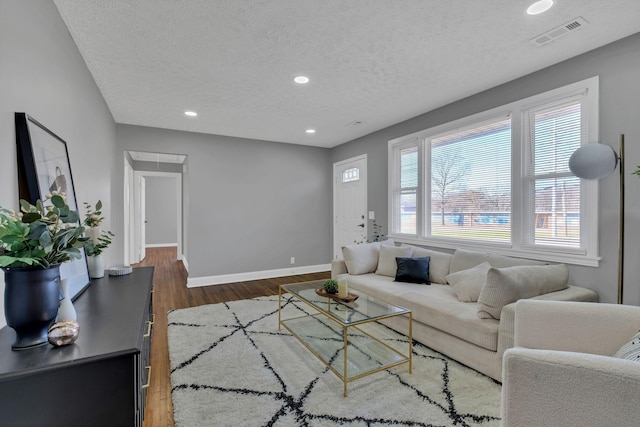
231,366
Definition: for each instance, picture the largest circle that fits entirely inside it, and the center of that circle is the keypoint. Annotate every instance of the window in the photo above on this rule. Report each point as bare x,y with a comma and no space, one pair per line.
471,182
553,193
500,181
408,189
349,175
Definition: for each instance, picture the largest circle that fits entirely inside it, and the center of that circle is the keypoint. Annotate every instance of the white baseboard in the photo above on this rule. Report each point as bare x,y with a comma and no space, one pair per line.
161,245
194,282
185,263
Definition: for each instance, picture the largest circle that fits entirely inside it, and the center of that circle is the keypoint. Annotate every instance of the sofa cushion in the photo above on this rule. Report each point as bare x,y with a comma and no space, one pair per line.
467,284
464,260
631,350
506,285
413,270
438,264
435,305
387,259
363,258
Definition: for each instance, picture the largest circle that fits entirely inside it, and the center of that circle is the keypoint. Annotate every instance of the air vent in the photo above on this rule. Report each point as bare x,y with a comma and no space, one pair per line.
354,124
562,30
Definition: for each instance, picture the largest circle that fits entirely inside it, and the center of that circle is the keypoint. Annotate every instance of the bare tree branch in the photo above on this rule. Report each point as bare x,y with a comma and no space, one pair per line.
448,172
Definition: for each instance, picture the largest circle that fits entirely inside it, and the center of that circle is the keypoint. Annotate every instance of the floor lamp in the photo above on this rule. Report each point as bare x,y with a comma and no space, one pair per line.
596,161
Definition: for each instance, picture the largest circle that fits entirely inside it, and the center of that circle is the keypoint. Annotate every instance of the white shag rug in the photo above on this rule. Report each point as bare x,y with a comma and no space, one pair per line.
231,366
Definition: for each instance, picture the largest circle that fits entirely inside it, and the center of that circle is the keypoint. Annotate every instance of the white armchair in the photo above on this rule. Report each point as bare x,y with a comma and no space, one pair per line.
560,372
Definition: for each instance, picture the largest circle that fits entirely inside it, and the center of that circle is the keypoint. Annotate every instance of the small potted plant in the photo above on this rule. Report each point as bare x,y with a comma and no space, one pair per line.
93,219
330,286
99,239
33,245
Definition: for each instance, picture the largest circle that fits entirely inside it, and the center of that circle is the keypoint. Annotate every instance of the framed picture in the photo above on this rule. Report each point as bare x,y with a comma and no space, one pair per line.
43,167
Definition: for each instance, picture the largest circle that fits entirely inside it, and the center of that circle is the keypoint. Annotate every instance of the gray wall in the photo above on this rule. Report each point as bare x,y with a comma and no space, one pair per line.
161,210
252,205
43,74
618,66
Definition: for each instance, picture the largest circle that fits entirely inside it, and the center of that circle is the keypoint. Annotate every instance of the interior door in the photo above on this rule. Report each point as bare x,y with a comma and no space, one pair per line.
128,211
349,203
143,217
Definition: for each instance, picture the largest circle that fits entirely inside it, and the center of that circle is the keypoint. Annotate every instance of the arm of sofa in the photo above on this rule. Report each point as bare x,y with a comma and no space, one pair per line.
574,326
338,267
552,388
507,316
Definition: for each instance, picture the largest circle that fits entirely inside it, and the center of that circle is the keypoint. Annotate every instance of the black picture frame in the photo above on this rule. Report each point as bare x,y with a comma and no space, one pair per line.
43,166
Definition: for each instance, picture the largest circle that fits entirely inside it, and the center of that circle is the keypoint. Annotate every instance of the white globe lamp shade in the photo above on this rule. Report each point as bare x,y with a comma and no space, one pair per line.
593,161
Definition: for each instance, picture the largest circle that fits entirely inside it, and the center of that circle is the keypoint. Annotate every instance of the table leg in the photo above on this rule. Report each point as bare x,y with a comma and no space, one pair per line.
345,342
410,341
279,304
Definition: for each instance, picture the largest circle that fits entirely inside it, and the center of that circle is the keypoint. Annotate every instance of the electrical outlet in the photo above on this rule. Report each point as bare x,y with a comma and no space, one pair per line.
293,260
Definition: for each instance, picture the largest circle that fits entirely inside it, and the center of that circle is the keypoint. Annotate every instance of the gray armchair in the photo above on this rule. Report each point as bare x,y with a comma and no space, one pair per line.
561,373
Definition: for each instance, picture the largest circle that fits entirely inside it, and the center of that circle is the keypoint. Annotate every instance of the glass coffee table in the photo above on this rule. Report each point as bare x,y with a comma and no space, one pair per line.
335,332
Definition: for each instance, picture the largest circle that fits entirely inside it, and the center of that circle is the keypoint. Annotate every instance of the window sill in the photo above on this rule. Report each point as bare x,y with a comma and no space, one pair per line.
502,249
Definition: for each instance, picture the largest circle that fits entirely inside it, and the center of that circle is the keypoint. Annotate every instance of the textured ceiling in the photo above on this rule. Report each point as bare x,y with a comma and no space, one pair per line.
375,61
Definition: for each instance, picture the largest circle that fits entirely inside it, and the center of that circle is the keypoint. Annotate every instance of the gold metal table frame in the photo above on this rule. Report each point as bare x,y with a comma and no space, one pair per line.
319,332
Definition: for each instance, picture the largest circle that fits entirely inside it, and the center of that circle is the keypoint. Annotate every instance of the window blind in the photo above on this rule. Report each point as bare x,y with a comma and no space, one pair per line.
553,206
471,182
408,189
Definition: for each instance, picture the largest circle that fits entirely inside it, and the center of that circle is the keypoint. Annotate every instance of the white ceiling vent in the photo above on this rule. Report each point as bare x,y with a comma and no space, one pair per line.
562,30
355,124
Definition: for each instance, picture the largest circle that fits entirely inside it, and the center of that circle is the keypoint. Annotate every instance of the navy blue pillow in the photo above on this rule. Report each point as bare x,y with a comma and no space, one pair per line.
413,270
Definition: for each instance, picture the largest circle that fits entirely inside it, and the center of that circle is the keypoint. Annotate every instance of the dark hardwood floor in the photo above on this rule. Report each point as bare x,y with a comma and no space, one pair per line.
170,292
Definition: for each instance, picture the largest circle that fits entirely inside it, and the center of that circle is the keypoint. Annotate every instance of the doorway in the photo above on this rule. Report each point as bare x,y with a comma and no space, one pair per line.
168,172
349,203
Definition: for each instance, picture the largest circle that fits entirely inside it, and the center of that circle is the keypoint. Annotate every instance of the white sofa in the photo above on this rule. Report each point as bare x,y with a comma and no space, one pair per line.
562,373
441,320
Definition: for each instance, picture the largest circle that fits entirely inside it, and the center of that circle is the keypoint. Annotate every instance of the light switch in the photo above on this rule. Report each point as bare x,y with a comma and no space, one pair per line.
372,215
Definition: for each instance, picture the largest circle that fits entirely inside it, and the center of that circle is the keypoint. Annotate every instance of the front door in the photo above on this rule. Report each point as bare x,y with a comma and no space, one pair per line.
349,203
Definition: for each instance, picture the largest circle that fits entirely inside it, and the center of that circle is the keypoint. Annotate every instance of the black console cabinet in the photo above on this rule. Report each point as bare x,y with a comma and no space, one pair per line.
101,379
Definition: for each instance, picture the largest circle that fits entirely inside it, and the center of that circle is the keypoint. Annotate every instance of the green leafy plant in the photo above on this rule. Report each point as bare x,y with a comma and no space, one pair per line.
95,248
39,236
330,286
93,216
637,171
377,232
376,236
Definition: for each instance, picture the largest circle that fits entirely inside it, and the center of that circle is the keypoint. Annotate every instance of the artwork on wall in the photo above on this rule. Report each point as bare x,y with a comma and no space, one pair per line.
43,167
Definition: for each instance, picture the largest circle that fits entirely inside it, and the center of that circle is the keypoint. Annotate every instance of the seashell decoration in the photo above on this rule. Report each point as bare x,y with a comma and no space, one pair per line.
64,332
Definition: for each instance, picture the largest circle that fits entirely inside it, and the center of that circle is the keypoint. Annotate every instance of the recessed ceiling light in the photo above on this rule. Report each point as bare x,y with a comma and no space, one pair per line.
190,113
301,80
539,7
310,131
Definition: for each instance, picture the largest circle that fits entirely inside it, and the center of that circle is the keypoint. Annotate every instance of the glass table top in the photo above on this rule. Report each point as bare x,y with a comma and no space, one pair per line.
365,309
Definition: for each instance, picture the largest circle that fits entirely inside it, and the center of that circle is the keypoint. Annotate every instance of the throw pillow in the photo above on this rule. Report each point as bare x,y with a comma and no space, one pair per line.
506,285
361,259
438,265
631,350
467,284
463,260
387,259
413,270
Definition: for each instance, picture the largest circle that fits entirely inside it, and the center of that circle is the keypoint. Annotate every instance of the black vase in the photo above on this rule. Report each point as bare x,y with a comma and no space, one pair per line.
31,301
